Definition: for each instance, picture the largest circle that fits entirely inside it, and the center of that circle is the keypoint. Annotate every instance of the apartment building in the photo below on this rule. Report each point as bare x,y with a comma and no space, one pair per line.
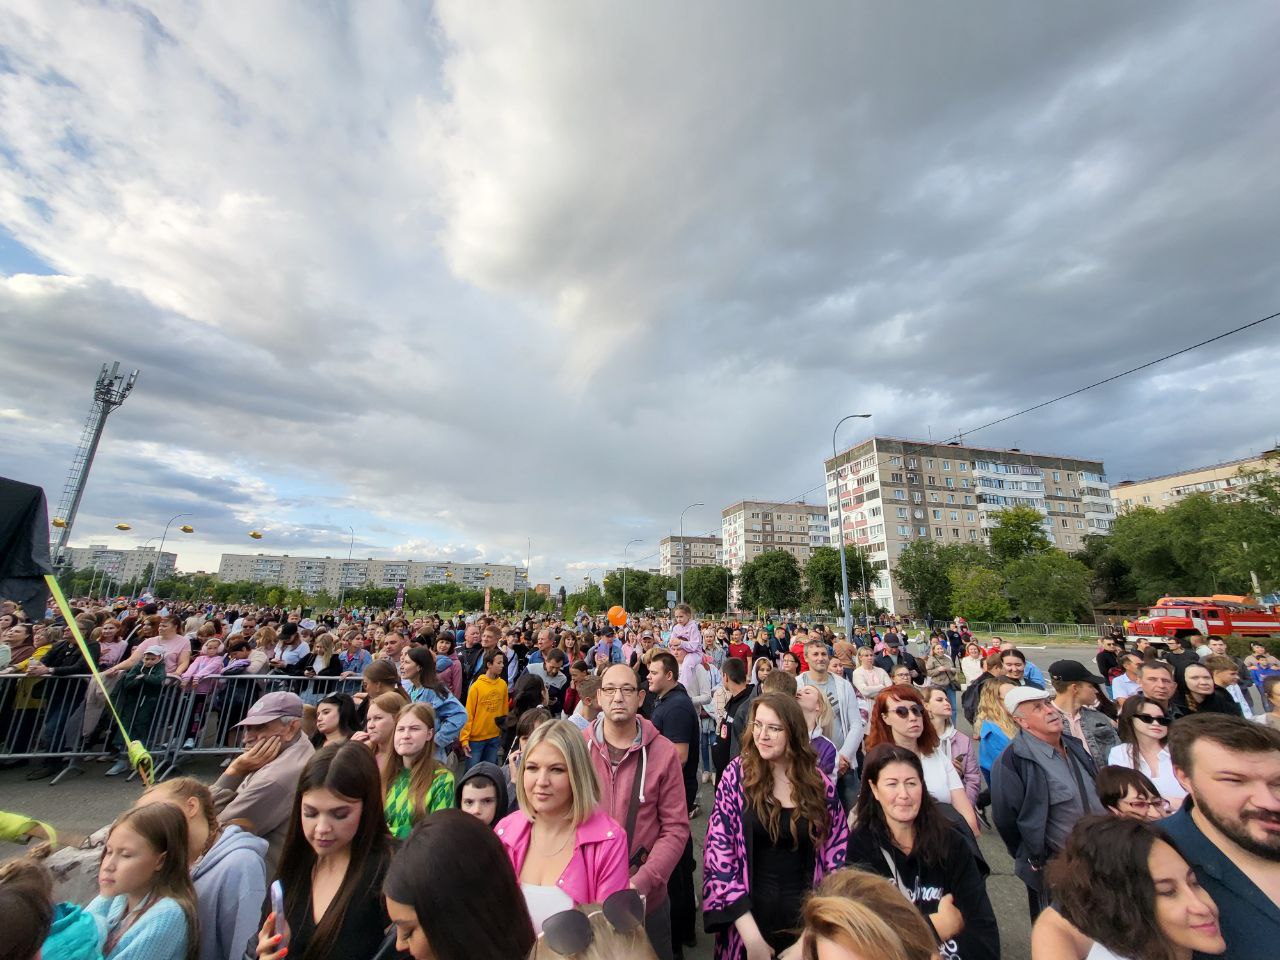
122,565
895,490
750,527
819,527
333,574
1223,480
679,553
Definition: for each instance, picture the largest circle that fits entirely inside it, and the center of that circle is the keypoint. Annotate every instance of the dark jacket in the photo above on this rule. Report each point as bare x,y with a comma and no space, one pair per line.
1217,702
492,773
1020,804
729,731
969,699
887,663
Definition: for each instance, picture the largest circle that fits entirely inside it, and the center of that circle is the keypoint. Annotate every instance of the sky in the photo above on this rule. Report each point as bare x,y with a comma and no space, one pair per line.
481,280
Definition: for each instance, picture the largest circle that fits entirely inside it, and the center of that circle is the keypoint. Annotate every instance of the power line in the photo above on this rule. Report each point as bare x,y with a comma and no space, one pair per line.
1143,366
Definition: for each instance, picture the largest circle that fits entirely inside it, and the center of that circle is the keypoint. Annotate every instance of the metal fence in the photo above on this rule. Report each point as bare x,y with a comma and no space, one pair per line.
1079,630
64,720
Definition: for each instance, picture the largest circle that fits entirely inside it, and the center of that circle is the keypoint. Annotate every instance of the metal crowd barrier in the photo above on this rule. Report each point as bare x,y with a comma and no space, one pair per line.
65,720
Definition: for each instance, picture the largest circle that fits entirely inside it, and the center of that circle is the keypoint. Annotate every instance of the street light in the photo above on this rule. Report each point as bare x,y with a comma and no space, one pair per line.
185,528
682,546
844,573
624,570
346,570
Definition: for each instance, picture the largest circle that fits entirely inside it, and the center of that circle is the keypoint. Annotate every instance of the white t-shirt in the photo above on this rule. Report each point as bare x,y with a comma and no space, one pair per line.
940,777
1165,781
1099,952
1122,687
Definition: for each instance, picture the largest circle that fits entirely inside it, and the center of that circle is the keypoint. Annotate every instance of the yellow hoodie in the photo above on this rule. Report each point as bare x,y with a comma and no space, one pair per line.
486,703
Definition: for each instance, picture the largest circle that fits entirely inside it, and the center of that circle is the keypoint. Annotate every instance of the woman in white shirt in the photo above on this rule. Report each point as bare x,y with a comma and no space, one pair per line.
971,664
898,716
867,678
1144,732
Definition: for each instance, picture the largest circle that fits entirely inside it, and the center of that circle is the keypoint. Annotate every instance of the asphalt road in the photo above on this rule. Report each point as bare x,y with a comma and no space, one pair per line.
80,805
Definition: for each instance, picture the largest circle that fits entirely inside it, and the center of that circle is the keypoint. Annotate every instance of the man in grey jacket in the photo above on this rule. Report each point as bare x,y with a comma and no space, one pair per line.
259,785
1041,785
848,718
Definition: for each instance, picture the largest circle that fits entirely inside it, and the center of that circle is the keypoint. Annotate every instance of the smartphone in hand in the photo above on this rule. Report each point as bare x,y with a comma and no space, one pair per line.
277,906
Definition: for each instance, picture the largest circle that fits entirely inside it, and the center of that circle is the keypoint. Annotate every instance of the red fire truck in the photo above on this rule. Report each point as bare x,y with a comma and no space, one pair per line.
1216,616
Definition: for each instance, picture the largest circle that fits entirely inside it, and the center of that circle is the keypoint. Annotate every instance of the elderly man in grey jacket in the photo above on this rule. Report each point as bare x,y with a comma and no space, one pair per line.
259,785
1041,785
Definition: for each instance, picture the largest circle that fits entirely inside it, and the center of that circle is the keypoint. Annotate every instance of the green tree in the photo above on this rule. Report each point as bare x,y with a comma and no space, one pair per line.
771,580
922,572
822,576
1019,531
977,593
1110,573
1050,587
707,588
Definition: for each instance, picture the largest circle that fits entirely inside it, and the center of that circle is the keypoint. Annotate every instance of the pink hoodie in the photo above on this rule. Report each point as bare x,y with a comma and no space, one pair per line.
204,668
689,636
598,866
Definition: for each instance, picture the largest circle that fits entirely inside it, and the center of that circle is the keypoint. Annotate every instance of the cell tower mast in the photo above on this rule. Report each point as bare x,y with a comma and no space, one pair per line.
109,392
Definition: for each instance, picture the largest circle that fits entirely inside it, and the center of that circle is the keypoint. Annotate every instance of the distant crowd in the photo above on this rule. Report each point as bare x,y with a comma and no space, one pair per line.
499,788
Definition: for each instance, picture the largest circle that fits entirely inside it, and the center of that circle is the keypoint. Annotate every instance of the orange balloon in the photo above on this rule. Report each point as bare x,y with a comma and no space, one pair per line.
617,616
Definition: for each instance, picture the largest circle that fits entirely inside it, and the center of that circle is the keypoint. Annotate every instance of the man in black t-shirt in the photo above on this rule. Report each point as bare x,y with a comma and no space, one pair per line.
677,719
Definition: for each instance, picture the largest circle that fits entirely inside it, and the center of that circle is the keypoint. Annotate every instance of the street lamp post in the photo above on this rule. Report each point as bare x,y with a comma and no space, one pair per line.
844,572
682,546
528,561
160,553
624,570
346,571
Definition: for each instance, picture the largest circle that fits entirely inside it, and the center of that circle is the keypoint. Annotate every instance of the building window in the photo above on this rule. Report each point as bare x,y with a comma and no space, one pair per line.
955,532
937,514
1057,478
973,534
962,467
955,516
911,462
968,498
904,531
895,478
1064,522
949,482
922,531
937,532
970,516
929,463
946,464
902,513
899,494
917,497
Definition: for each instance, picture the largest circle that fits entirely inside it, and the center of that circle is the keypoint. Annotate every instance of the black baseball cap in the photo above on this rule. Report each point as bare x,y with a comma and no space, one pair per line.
1072,671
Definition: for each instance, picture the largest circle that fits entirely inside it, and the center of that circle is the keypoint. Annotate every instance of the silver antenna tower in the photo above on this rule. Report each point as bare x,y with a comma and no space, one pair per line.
108,393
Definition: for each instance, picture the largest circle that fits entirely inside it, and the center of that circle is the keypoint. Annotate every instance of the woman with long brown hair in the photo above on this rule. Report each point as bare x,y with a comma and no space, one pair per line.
898,716
414,782
334,860
775,831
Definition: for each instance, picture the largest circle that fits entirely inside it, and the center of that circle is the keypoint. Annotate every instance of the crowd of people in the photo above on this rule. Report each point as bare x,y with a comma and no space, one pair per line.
488,787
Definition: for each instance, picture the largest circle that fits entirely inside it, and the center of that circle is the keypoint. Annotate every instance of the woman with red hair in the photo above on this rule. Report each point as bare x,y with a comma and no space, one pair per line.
898,716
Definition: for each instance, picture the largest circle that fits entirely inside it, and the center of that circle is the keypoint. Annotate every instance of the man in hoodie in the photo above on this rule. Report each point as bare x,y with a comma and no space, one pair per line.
848,729
642,787
482,792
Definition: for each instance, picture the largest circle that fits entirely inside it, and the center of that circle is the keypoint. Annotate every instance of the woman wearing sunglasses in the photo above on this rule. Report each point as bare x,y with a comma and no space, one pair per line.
613,930
775,831
900,833
1143,746
898,717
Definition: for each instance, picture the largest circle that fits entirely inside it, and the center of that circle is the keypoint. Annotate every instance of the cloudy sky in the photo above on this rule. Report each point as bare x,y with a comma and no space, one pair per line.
462,274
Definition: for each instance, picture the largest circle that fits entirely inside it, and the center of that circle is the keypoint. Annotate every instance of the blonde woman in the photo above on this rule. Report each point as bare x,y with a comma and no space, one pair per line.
857,914
869,679
820,719
264,646
565,849
993,724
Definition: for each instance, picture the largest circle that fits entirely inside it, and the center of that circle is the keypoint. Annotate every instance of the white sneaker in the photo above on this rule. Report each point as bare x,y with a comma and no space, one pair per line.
189,744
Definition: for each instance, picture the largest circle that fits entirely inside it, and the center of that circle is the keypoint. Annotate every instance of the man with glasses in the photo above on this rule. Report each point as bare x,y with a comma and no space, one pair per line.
641,787
1041,785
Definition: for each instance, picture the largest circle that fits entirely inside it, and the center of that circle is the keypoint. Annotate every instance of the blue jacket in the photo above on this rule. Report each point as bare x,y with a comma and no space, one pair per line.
159,934
74,935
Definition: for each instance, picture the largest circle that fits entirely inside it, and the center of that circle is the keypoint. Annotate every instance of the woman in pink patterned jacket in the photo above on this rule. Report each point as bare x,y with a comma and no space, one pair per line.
775,831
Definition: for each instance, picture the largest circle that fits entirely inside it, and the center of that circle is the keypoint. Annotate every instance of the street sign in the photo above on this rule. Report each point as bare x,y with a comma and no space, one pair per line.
671,604
671,598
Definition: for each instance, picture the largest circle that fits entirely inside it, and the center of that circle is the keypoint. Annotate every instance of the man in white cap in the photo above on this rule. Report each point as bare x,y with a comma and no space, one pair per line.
1041,785
259,785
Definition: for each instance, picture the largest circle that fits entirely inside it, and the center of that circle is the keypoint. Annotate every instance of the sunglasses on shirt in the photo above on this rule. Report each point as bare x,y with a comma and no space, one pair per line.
569,932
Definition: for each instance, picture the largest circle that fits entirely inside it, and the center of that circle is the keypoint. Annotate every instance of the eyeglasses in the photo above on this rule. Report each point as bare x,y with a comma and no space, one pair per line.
1148,803
772,729
569,932
1152,718
903,712
612,693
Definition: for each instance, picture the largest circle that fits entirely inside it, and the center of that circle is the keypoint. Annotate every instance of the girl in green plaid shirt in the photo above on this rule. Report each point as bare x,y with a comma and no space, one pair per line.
415,783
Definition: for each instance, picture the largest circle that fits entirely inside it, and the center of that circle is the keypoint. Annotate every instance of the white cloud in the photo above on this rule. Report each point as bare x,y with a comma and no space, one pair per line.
466,274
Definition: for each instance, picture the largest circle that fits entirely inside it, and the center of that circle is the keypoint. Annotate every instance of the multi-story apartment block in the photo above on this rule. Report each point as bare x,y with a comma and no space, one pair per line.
1223,480
819,527
122,565
679,553
750,527
893,491
313,574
